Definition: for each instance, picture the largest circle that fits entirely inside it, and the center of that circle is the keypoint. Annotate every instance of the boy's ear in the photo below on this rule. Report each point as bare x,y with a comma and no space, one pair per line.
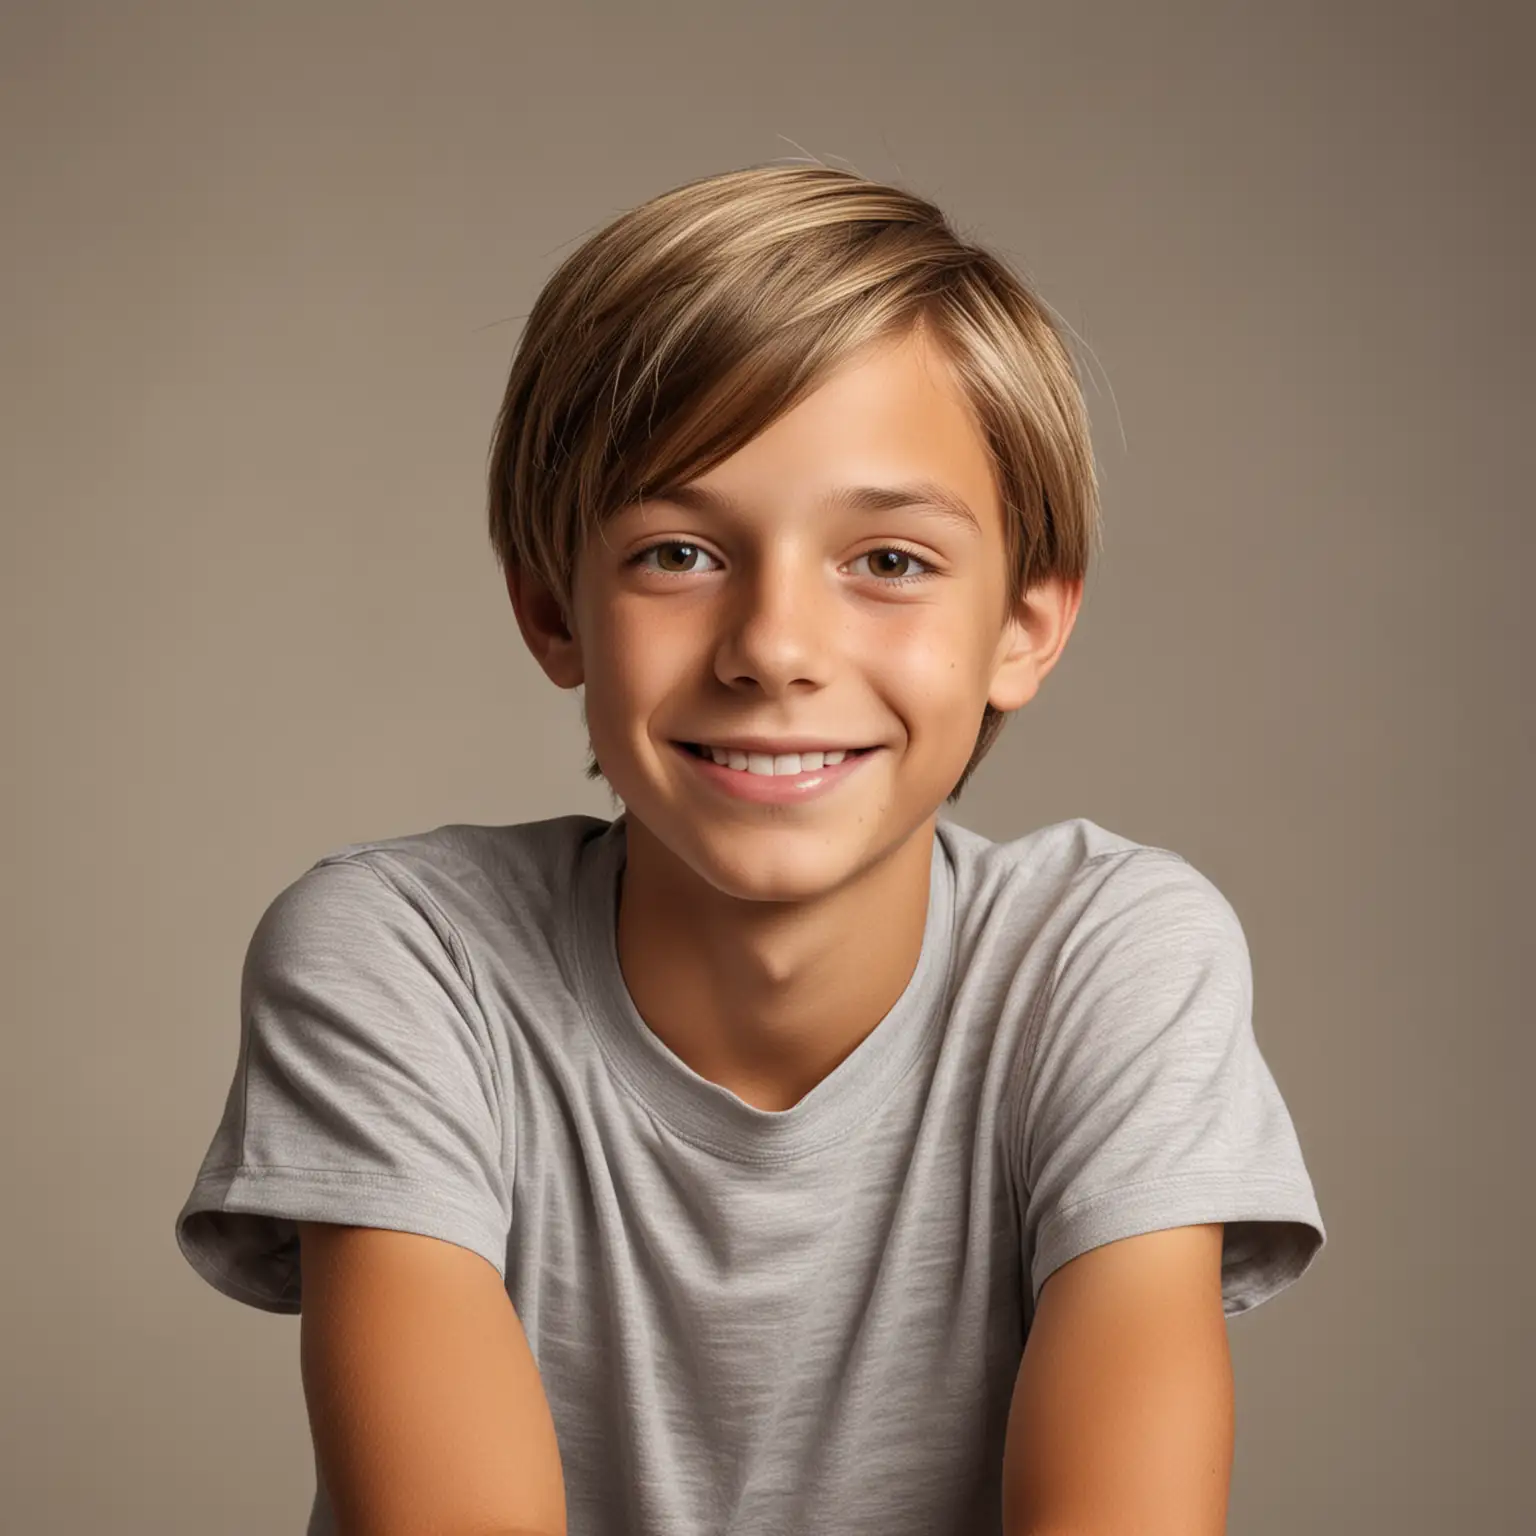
1032,640
547,631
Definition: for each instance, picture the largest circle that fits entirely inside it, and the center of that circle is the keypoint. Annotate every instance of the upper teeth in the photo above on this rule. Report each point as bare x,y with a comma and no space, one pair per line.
784,762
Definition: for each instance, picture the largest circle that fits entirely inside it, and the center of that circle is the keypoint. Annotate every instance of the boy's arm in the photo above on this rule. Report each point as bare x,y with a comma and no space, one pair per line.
1122,1414
425,1402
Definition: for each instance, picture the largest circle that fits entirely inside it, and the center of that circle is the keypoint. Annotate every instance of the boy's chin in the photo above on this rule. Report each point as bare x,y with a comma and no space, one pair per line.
780,875
773,859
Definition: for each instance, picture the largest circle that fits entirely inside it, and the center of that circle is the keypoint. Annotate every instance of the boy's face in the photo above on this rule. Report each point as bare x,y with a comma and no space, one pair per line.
759,611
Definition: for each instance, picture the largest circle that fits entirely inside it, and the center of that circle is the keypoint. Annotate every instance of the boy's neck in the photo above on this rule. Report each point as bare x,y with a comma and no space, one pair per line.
763,998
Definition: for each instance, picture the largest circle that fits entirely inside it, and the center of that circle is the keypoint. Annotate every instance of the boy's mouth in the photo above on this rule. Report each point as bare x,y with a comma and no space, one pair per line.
765,765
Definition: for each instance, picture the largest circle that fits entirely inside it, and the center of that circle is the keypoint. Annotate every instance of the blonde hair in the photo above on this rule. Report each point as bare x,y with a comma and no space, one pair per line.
677,333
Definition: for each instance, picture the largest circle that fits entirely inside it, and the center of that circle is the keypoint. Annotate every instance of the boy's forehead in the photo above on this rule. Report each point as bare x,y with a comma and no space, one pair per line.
889,430
929,497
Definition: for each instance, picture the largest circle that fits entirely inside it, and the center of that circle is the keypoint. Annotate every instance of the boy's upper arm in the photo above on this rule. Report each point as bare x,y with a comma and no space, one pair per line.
424,1399
1122,1414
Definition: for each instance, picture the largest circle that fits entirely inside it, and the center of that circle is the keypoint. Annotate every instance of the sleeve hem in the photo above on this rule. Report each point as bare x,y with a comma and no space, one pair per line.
1285,1235
225,1230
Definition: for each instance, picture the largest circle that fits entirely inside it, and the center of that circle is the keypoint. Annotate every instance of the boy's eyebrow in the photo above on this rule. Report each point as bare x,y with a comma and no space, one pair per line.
916,495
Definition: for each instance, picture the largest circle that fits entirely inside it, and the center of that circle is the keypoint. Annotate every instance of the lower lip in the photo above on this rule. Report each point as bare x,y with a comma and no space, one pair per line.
778,788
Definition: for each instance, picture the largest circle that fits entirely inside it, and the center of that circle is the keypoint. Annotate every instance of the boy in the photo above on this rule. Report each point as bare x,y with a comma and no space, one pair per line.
776,1157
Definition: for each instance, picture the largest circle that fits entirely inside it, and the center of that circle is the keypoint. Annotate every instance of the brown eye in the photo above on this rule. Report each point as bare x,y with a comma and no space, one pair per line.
673,558
894,566
663,550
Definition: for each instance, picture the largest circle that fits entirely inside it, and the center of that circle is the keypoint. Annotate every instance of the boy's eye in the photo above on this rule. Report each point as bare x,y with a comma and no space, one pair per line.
665,552
676,558
881,563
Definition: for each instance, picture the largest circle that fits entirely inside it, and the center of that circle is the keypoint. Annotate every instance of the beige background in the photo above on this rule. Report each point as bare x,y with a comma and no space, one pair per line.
264,267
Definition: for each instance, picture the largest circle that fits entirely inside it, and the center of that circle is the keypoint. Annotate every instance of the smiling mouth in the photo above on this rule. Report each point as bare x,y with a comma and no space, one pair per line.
782,765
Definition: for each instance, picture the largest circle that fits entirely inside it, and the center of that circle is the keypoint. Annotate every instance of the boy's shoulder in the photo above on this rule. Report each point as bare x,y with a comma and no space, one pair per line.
516,872
1048,858
1076,877
543,849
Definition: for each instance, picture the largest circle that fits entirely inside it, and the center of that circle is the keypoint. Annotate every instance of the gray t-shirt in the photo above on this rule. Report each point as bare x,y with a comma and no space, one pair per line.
749,1321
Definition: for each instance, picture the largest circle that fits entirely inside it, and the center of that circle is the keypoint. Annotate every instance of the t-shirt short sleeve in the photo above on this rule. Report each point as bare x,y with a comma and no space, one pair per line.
365,1093
1146,1102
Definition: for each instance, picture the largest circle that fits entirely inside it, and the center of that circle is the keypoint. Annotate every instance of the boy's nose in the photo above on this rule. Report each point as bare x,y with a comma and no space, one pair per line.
777,631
